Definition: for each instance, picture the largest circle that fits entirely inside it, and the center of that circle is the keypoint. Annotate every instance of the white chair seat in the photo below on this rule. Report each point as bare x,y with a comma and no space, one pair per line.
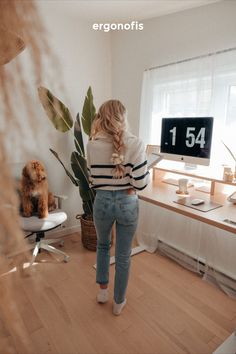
34,224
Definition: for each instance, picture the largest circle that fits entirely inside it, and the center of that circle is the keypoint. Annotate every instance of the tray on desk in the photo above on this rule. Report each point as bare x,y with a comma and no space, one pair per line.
207,206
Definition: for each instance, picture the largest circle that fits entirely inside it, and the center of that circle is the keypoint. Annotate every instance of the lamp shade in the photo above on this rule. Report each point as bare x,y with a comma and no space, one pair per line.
10,45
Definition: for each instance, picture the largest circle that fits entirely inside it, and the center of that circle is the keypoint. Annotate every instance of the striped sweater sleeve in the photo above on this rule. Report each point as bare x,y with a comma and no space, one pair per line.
140,174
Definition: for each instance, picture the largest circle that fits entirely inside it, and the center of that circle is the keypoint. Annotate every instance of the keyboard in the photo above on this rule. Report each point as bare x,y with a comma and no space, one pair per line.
175,182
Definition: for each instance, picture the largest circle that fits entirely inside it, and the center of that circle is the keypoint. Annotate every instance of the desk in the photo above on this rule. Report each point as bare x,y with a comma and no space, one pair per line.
163,195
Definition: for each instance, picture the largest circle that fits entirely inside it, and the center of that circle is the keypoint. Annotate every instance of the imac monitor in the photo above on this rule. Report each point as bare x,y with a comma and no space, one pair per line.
187,139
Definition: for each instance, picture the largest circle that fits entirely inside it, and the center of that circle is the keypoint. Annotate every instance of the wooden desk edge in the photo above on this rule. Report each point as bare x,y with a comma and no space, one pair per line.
190,213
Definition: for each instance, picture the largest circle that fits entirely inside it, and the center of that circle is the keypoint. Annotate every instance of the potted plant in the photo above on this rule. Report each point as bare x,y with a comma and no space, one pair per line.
62,120
234,158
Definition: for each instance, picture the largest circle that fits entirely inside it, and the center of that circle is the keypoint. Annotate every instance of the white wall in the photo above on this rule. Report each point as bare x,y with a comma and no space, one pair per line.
84,55
164,40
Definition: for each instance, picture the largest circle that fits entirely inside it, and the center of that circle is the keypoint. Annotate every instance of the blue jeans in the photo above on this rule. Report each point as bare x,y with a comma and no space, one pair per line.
120,207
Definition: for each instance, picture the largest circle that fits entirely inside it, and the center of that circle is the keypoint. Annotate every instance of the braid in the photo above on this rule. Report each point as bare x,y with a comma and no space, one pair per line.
111,120
117,156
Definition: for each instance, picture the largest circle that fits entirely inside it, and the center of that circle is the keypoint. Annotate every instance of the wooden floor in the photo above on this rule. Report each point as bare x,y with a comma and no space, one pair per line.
169,309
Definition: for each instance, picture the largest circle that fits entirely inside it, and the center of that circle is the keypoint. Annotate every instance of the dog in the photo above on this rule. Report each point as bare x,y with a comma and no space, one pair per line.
35,196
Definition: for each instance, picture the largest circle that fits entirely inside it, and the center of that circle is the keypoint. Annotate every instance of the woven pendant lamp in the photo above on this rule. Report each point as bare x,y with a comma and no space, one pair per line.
10,45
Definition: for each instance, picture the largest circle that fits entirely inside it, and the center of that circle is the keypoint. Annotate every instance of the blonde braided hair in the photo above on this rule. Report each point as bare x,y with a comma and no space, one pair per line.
111,120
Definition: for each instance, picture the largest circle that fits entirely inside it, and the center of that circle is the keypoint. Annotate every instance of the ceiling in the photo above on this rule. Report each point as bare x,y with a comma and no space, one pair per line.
120,10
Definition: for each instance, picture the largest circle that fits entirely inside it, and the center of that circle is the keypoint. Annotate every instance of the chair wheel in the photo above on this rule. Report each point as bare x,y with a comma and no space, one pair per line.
66,259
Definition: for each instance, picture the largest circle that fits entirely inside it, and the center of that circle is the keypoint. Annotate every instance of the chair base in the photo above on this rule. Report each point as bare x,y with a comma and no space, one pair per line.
46,245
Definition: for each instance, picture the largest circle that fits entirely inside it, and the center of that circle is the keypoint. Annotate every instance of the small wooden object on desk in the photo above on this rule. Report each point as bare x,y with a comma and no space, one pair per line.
228,175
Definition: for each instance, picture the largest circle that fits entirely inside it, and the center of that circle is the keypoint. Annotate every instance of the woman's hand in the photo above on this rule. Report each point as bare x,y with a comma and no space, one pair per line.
131,191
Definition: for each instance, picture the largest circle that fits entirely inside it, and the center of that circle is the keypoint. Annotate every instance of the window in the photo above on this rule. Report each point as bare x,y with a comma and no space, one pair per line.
204,86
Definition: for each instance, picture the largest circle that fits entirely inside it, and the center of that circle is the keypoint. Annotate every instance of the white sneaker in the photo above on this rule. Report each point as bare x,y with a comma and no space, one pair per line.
117,308
102,296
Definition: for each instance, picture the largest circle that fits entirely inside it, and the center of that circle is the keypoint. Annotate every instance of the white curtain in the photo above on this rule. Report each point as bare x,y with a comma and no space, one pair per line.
204,86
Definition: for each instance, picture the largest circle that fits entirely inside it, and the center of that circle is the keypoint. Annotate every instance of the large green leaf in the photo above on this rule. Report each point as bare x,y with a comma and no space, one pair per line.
87,197
88,112
79,167
88,207
56,111
73,180
79,144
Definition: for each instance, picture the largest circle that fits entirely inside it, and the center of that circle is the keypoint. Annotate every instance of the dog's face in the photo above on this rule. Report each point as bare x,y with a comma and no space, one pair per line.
34,171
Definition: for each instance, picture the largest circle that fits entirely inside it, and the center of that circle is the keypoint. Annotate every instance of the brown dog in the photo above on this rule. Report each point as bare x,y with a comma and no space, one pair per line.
35,196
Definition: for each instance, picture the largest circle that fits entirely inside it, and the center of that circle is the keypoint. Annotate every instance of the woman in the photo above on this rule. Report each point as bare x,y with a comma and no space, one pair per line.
118,167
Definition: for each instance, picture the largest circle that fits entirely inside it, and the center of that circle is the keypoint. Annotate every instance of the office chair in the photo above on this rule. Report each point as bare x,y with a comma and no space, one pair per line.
39,227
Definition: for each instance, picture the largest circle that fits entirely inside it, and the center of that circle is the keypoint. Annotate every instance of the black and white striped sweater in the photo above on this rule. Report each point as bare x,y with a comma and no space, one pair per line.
99,153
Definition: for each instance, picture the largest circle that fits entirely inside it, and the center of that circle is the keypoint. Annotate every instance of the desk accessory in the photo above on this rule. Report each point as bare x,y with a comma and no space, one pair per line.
228,176
183,186
232,198
206,206
153,159
229,221
197,201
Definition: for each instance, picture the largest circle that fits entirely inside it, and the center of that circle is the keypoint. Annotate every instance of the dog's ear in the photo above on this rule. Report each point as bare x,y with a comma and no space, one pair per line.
25,172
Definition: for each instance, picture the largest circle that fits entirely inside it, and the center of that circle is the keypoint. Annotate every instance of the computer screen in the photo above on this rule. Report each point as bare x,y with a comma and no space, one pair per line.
187,139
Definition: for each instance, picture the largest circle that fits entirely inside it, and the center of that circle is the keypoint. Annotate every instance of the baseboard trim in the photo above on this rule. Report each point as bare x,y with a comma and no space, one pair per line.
197,265
64,231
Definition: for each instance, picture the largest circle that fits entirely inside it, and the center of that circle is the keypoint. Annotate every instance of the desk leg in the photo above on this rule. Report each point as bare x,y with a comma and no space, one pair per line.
134,251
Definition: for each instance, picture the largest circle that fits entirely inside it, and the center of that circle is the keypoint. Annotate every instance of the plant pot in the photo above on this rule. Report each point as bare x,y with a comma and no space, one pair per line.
88,232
